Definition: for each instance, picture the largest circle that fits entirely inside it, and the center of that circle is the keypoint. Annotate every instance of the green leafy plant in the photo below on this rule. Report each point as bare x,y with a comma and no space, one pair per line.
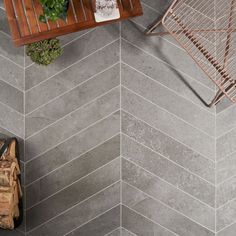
54,9
44,52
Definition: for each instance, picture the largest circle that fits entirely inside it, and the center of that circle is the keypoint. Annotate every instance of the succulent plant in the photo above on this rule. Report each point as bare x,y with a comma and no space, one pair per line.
44,52
53,10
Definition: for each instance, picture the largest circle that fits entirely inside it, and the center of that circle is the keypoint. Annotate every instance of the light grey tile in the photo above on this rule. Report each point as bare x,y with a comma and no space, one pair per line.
163,215
8,50
168,123
11,73
73,123
73,171
226,215
166,52
11,120
11,96
72,76
73,147
101,225
125,232
81,213
226,145
230,231
140,225
225,120
226,168
223,105
74,194
167,194
72,53
117,232
179,177
226,191
73,100
170,101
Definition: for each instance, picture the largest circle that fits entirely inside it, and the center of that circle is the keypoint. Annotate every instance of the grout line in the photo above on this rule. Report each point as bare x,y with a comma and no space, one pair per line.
156,176
143,3
226,157
4,33
112,231
226,180
172,114
60,71
200,107
12,109
78,180
226,227
229,107
64,140
77,204
92,220
8,59
169,207
73,159
71,89
4,81
154,222
175,163
226,133
226,203
68,114
131,233
137,118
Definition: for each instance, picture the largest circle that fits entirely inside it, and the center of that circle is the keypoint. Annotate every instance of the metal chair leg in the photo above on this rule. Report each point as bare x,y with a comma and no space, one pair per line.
151,28
219,96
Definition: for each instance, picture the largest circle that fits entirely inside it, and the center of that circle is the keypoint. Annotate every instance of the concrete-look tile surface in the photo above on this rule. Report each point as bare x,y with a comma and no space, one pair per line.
115,136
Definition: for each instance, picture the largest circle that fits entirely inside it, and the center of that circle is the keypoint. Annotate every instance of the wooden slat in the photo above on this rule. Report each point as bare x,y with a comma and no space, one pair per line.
24,28
79,10
88,8
31,17
38,11
71,18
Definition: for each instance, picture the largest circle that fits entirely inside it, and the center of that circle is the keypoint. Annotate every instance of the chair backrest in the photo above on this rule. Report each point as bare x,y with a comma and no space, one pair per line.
206,29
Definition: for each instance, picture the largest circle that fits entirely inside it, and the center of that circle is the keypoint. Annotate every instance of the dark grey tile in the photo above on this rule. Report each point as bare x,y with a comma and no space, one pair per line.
101,225
170,101
142,226
73,52
12,97
81,213
163,215
11,73
11,233
168,123
159,5
164,192
73,194
79,96
73,171
73,123
72,76
73,147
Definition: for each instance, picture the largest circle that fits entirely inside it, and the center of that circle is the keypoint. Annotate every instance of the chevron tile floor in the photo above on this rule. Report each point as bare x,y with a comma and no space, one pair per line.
115,137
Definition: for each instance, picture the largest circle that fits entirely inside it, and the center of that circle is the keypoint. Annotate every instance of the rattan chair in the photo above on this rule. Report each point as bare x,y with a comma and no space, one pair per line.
206,29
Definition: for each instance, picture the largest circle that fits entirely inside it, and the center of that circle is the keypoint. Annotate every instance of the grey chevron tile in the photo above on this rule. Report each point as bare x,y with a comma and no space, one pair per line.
2,4
149,137
73,171
225,120
72,76
162,215
11,120
170,101
73,147
223,105
226,168
166,52
3,20
159,5
11,233
72,124
226,215
11,73
70,101
126,232
116,232
72,218
226,145
74,194
132,221
165,193
168,123
101,225
229,231
226,192
11,97
73,52
7,49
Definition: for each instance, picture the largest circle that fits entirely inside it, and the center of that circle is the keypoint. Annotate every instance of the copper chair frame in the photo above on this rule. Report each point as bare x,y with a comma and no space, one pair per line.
179,24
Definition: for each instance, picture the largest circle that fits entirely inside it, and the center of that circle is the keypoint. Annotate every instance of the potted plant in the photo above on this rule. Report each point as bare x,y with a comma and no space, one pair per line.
54,10
44,52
